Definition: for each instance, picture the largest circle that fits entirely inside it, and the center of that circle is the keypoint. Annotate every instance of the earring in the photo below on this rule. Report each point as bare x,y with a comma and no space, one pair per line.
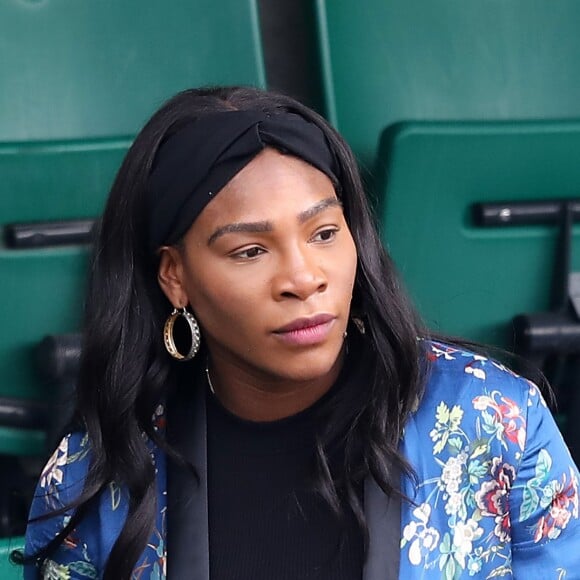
168,334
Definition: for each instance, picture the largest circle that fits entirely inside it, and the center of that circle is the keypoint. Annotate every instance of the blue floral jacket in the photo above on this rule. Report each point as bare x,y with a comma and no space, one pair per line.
497,493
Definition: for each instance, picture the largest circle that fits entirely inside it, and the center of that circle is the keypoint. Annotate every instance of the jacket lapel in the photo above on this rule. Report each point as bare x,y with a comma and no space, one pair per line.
187,514
383,516
187,510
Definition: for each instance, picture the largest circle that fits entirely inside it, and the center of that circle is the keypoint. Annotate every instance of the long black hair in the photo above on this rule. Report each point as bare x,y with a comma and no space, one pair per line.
125,371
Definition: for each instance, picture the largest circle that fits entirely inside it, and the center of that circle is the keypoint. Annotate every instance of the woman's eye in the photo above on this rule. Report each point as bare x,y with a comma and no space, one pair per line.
248,253
325,235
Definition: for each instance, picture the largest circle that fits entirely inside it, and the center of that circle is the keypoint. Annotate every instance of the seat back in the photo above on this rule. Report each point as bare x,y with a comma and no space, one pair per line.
467,280
77,69
78,80
386,61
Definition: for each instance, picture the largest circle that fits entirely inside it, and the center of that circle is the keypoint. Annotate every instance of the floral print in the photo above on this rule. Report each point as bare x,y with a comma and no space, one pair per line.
493,496
496,490
423,538
52,473
559,498
77,558
501,418
474,507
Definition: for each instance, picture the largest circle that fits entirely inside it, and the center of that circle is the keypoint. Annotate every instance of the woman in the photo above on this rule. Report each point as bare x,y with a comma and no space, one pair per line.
309,428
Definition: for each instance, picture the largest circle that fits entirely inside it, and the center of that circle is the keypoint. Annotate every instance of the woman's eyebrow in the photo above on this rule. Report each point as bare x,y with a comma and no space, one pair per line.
251,227
267,226
317,208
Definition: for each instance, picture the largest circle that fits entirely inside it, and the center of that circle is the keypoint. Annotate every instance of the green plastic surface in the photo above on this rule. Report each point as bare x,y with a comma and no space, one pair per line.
42,290
387,61
57,180
81,69
23,442
78,79
9,571
42,293
467,280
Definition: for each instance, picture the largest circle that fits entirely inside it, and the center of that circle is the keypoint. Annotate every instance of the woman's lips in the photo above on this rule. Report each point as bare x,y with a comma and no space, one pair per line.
306,331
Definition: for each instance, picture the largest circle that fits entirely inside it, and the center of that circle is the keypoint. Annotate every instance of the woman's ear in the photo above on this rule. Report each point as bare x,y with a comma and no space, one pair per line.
170,276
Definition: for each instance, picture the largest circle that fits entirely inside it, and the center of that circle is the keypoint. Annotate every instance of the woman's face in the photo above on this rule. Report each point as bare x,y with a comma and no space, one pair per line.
268,270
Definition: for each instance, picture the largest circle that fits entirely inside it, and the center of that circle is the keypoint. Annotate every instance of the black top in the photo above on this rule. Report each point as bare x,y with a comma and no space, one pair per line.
265,520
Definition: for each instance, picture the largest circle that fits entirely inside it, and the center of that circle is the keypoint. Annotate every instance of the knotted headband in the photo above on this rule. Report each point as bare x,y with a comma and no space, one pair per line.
193,165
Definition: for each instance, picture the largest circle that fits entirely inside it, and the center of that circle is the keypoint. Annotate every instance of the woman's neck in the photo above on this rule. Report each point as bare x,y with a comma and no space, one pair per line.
256,397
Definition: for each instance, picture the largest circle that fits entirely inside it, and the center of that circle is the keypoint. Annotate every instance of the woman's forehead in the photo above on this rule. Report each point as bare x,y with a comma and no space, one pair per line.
272,184
196,162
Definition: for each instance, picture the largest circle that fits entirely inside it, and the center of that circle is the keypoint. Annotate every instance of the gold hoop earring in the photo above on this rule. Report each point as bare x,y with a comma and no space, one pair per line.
168,335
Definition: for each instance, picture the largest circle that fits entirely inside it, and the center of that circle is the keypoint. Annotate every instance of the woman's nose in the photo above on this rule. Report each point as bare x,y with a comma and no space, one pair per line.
299,275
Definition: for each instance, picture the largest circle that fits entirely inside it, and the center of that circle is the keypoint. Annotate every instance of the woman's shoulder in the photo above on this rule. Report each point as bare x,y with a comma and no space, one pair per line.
63,476
87,547
469,393
60,484
480,396
455,372
496,487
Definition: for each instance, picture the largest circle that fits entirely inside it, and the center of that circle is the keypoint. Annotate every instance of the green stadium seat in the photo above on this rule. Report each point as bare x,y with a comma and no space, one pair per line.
466,280
387,61
78,80
9,571
77,69
41,290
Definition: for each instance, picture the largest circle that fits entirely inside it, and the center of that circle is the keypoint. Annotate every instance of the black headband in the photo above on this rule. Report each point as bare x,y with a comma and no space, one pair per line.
193,165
